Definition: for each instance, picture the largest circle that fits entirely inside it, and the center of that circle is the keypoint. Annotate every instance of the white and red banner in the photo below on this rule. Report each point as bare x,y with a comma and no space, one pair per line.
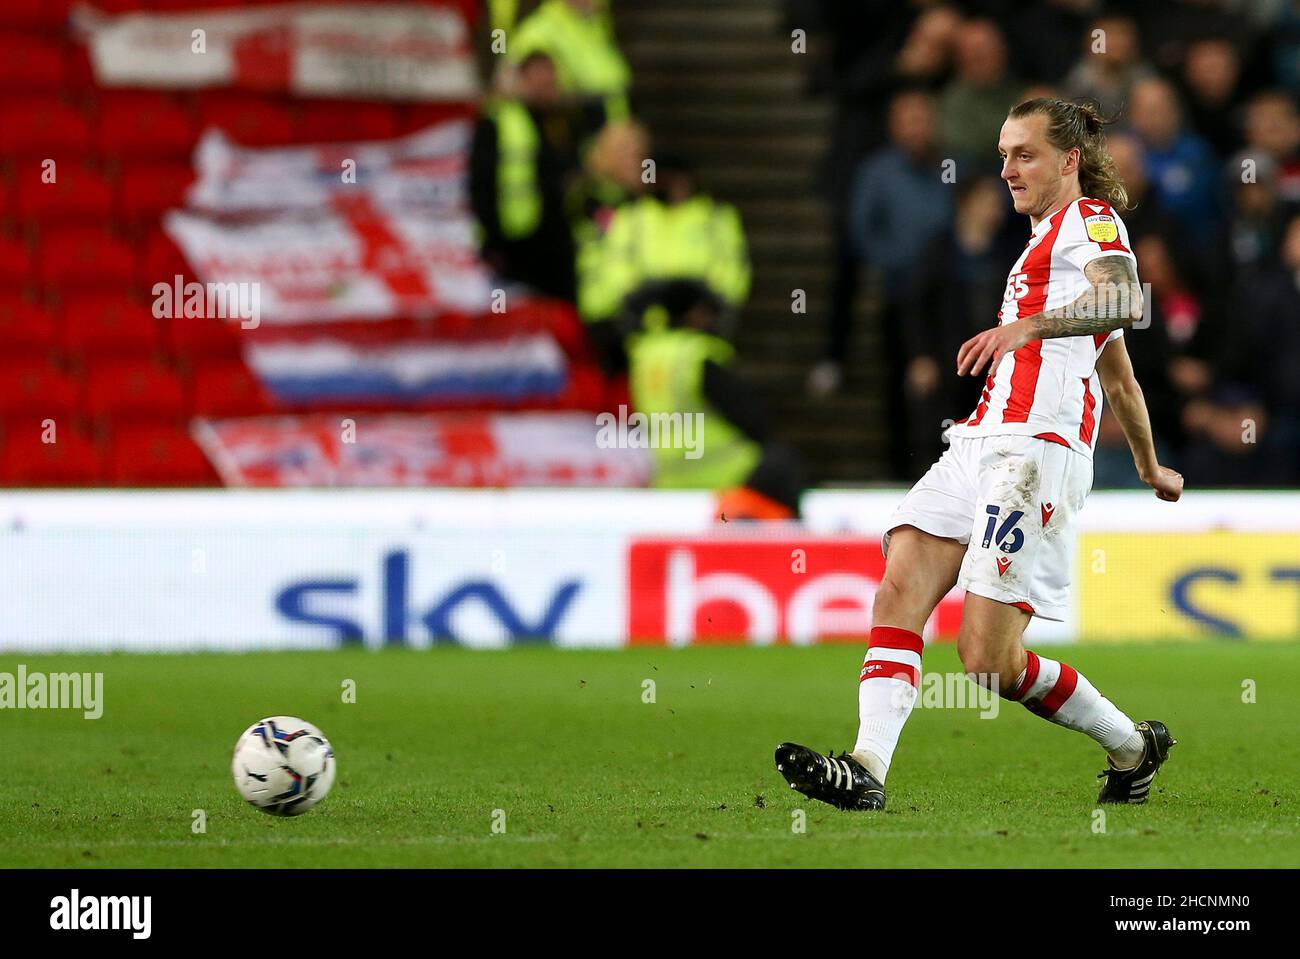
352,259
411,51
368,230
406,449
425,170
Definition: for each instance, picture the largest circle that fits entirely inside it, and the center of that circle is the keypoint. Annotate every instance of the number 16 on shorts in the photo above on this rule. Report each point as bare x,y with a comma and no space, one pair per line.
1006,536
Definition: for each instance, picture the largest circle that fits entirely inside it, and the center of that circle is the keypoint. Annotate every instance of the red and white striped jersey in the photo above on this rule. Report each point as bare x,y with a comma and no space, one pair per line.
1050,388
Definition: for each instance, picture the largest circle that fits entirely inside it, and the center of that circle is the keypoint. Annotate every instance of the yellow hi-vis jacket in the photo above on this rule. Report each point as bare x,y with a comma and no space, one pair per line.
666,379
698,239
586,55
519,197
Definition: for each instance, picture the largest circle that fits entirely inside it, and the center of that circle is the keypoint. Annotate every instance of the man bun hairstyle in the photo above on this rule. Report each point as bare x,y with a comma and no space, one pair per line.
1081,125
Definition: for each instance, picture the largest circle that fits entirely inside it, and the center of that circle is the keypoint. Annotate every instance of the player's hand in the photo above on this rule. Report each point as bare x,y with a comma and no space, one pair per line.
989,347
1167,483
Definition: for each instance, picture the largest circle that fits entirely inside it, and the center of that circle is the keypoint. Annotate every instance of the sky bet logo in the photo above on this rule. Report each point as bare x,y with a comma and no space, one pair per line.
302,602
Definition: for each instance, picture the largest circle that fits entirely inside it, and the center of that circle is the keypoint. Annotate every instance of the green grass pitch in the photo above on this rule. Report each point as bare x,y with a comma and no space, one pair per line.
590,775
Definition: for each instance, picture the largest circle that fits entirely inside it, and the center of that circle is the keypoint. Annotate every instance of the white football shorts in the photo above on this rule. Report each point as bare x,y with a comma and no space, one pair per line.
1012,502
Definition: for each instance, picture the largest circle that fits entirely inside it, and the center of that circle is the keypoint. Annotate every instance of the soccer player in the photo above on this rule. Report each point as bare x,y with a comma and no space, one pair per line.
996,512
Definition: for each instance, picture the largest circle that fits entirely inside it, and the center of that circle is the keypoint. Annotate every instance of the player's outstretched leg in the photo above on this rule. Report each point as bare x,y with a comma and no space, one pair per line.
990,648
920,570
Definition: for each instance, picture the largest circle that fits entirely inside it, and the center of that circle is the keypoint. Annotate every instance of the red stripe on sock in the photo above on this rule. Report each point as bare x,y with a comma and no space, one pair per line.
891,637
885,669
1031,674
1062,691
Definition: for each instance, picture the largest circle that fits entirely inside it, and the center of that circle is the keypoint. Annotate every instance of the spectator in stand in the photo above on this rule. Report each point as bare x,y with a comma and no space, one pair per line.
1247,431
904,57
1257,215
898,206
682,367
1211,76
524,155
613,176
1180,165
974,104
959,286
579,36
1111,64
1273,127
666,242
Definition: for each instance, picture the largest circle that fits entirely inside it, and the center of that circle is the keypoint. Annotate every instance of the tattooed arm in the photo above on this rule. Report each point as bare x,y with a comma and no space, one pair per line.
1113,300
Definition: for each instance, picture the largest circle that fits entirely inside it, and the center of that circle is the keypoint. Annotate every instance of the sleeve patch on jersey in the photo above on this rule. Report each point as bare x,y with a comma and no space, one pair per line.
1101,228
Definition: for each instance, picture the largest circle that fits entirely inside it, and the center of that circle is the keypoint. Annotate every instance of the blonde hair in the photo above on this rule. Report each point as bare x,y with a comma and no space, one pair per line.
1081,125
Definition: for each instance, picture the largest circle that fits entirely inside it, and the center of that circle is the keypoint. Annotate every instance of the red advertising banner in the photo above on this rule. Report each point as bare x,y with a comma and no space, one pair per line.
760,589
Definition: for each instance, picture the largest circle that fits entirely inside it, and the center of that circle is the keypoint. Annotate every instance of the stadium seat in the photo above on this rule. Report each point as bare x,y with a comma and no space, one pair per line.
141,123
109,324
134,389
247,120
43,126
31,63
35,14
15,260
26,327
36,387
77,193
158,455
86,257
74,460
202,338
228,388
163,260
328,121
146,191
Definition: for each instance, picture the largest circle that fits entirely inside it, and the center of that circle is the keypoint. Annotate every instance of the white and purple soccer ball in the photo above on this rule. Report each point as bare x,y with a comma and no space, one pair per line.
283,765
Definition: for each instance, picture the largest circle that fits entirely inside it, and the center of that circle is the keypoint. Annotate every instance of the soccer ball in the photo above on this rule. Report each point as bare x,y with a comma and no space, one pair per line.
283,765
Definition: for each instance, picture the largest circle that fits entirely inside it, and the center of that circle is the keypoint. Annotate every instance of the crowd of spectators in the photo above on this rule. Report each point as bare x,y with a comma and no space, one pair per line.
1207,138
575,200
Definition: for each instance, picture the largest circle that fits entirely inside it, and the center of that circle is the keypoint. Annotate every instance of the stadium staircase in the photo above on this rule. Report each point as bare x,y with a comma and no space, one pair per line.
719,83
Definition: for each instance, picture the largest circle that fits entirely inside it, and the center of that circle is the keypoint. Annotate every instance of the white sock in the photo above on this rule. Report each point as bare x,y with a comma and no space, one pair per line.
887,687
1062,695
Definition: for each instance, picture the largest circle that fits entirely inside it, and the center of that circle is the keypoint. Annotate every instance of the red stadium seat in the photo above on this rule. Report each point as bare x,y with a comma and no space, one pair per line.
141,123
202,338
31,63
37,388
228,388
249,120
110,324
86,257
158,455
43,126
73,460
36,14
147,191
26,327
163,259
325,121
15,260
77,193
134,389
